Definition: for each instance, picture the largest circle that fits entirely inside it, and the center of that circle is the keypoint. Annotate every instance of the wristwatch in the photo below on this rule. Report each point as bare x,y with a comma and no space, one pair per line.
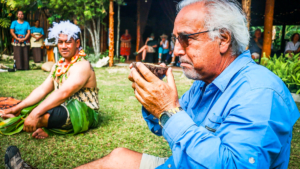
166,115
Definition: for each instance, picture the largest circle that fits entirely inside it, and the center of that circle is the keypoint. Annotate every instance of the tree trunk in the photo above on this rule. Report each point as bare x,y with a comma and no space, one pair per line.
247,9
269,16
1,49
111,33
84,38
118,34
93,41
96,37
98,34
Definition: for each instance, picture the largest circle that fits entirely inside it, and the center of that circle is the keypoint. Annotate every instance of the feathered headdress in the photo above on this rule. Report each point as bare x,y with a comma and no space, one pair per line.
64,27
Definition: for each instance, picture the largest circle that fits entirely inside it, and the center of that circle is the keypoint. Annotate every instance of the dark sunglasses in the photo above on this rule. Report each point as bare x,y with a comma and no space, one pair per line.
183,39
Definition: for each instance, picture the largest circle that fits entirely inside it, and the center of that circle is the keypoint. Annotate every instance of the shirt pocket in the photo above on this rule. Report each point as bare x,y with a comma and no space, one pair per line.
213,123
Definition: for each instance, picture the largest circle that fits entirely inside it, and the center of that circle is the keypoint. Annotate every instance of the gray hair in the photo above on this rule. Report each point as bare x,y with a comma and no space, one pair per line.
224,15
64,27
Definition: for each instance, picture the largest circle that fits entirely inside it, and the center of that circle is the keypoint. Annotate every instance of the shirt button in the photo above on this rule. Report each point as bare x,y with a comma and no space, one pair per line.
251,160
169,166
156,131
154,118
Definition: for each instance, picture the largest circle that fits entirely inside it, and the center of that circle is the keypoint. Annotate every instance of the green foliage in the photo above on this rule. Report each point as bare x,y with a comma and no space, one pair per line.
122,59
287,68
94,58
121,2
4,22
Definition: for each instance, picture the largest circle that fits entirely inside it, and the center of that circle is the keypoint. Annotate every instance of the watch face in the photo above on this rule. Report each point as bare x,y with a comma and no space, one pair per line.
164,118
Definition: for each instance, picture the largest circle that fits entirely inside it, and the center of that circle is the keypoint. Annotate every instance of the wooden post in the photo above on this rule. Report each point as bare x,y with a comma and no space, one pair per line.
282,47
269,13
111,33
247,9
138,29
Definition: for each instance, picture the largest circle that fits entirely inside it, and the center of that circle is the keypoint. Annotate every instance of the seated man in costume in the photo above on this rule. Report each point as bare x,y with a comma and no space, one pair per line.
71,107
237,114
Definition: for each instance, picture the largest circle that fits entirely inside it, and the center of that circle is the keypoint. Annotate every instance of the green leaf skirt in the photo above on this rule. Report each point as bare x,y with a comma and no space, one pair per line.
82,118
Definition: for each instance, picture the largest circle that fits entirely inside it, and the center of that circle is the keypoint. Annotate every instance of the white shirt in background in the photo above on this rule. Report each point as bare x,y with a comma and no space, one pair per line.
165,44
291,46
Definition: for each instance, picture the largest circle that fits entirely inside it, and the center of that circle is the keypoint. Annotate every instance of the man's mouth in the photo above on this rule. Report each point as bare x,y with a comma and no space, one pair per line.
65,52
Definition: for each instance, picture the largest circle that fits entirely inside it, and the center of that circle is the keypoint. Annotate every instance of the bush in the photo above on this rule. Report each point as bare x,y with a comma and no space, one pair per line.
95,58
287,68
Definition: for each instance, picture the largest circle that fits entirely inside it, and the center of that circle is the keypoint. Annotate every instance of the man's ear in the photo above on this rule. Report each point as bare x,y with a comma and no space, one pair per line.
225,41
77,43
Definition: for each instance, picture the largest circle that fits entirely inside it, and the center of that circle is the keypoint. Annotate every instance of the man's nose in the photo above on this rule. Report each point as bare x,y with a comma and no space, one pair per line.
63,45
178,49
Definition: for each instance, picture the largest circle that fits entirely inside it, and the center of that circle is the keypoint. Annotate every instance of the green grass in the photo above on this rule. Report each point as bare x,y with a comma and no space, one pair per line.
122,124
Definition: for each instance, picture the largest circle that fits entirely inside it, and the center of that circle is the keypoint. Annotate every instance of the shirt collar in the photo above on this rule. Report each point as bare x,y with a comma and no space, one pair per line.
225,77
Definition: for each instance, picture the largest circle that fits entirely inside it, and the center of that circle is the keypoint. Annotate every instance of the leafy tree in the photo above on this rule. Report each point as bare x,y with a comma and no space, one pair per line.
88,14
7,11
119,3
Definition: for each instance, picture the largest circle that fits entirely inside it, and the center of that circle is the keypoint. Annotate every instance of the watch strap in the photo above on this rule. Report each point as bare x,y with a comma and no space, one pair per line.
168,113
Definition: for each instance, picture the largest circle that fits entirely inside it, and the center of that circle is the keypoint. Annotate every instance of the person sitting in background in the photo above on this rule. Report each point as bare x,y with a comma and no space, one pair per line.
255,44
36,41
149,47
293,45
125,44
164,47
20,31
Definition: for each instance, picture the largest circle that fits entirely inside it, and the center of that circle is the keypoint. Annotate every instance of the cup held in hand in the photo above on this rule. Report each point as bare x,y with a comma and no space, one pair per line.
157,70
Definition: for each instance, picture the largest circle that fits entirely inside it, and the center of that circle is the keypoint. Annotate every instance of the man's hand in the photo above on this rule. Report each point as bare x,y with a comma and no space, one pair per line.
30,124
7,112
154,94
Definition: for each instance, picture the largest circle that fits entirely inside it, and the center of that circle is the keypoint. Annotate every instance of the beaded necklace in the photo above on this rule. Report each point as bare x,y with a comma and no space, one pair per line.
62,68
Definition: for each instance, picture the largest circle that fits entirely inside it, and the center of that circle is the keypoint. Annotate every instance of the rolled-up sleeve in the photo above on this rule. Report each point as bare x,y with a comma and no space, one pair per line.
251,136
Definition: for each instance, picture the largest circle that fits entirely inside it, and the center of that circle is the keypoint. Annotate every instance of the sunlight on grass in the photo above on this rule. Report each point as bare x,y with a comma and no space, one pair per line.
121,125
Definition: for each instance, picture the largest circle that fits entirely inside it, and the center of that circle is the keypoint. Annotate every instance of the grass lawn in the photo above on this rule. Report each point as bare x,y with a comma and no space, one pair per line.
122,124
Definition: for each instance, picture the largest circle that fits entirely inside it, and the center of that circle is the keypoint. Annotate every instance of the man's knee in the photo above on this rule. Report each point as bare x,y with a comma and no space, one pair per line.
120,151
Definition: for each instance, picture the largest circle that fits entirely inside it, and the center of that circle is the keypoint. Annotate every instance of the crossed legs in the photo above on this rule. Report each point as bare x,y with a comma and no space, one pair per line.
118,158
144,51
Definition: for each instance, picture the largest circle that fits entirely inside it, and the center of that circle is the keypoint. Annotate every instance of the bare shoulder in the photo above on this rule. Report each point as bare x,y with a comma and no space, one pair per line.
82,65
52,69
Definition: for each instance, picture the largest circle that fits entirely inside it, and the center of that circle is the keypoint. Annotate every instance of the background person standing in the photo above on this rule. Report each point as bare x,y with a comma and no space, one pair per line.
20,30
125,44
36,41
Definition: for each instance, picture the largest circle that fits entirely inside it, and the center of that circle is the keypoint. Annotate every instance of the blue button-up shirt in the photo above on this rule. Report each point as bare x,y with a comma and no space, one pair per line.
243,119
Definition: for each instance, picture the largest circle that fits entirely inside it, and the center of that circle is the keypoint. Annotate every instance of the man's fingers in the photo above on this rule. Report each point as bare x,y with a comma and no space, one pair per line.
138,79
138,97
171,80
146,73
133,86
130,77
163,65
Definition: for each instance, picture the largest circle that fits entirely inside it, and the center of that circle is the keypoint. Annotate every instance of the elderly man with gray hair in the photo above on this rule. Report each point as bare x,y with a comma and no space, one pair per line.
237,114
